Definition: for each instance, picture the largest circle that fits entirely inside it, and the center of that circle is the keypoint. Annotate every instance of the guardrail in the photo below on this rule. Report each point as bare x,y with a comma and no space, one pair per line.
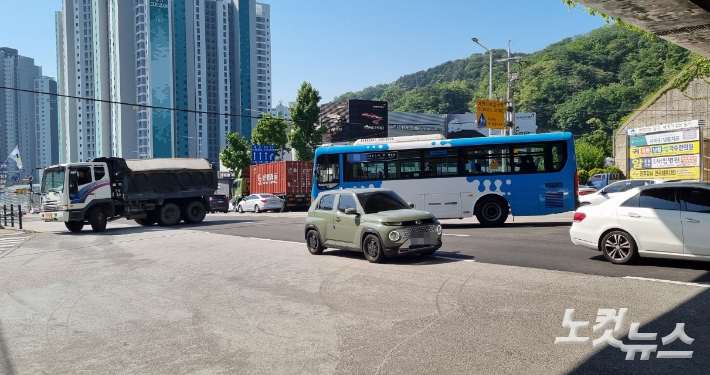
12,215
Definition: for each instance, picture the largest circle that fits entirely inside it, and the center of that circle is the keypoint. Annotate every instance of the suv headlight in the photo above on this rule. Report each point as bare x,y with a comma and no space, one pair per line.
394,236
438,229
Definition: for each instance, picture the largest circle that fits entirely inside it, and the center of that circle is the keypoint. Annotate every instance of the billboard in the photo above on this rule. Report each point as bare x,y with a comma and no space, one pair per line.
408,124
665,138
673,154
525,123
462,126
350,120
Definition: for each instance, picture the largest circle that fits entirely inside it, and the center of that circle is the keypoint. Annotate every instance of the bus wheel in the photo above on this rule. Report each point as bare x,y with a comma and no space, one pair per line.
492,211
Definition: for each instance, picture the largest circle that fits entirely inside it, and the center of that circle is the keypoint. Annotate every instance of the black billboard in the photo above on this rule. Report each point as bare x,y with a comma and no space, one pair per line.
353,119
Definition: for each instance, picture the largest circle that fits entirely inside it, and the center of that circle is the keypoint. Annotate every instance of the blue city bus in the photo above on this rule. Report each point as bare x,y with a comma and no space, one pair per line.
486,177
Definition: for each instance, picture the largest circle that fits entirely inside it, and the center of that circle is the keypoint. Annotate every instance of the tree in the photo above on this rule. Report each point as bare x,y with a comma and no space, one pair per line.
601,140
236,156
306,135
588,156
271,131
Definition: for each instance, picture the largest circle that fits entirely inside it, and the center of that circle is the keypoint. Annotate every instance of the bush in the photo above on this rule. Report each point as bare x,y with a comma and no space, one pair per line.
615,169
588,156
595,171
583,176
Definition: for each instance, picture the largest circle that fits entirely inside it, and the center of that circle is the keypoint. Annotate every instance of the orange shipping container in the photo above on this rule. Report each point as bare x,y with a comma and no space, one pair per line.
282,178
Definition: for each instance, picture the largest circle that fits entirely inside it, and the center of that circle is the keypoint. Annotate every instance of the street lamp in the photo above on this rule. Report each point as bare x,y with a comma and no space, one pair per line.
490,69
199,143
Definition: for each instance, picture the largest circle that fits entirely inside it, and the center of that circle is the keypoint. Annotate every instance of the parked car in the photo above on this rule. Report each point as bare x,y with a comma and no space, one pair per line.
616,188
585,190
260,202
36,210
219,203
377,222
655,220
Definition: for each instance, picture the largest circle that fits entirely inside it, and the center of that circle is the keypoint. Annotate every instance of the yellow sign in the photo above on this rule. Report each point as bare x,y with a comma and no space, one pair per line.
494,164
490,114
692,173
685,148
21,192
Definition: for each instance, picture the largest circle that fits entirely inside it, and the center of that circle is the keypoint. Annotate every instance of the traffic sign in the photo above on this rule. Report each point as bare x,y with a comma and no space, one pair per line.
490,114
14,178
262,154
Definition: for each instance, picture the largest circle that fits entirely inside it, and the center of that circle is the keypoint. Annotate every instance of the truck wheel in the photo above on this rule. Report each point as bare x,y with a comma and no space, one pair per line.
97,219
74,226
194,212
148,220
168,214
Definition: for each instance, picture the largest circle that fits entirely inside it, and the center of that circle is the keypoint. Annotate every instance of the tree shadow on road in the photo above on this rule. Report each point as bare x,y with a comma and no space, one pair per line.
154,228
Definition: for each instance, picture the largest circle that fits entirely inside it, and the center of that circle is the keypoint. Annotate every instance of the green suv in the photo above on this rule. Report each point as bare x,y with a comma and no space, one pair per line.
377,222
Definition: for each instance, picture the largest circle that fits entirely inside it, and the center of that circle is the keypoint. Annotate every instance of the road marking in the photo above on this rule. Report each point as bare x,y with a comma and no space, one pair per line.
457,235
268,239
668,281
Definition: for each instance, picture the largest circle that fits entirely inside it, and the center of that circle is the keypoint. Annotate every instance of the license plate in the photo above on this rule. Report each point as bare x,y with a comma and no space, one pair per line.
423,241
48,216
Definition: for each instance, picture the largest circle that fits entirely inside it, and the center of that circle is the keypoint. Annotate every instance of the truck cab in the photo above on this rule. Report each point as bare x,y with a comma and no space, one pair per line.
70,190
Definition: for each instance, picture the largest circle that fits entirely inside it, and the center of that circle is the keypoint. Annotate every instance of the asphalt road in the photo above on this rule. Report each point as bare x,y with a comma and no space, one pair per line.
135,300
537,242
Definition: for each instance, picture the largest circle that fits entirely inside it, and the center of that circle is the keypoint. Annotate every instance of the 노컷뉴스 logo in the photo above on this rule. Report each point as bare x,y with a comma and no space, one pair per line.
607,316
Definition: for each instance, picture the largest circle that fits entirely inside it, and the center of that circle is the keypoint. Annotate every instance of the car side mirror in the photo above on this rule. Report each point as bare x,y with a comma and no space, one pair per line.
350,211
411,205
602,192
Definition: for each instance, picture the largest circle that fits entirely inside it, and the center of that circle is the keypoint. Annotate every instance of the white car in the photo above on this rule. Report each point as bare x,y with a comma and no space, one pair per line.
658,220
260,202
614,189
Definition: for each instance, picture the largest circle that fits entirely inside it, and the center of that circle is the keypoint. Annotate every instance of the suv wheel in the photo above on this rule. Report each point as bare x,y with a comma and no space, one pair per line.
313,242
372,248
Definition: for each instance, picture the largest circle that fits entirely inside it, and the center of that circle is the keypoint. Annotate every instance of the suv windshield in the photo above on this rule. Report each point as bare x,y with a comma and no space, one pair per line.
379,201
53,180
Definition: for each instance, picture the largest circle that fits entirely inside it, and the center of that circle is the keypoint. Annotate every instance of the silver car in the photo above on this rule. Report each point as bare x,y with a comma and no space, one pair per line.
260,202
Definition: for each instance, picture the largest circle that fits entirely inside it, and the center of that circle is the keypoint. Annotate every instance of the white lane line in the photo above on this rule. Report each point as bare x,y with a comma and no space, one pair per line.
457,235
267,239
668,281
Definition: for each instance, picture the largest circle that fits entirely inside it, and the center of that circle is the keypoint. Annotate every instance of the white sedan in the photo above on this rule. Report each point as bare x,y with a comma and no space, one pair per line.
260,202
614,189
659,220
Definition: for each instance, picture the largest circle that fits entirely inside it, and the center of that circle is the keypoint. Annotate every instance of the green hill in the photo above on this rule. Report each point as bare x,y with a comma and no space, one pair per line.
579,84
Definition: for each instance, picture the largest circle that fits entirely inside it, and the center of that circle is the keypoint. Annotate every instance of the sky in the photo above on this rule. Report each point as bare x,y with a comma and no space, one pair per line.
340,46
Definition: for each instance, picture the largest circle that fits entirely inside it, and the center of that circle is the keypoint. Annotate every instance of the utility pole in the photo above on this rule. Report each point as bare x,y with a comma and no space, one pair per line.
510,108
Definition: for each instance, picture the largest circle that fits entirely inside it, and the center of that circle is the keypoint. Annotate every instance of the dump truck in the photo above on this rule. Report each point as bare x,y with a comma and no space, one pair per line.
149,191
289,180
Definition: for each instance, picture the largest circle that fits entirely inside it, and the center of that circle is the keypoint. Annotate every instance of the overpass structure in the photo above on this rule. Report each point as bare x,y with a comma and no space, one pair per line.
682,22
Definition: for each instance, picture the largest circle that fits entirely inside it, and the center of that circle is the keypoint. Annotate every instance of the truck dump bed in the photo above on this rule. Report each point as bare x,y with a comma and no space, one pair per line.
164,178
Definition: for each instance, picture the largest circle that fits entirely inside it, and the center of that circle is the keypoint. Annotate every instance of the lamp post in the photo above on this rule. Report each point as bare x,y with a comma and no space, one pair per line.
490,69
199,143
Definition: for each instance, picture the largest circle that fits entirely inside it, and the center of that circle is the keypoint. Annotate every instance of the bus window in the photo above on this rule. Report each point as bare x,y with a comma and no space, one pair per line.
529,158
328,172
559,156
410,164
441,163
484,160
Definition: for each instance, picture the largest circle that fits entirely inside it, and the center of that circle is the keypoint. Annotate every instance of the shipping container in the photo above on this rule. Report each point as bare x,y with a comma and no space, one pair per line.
289,180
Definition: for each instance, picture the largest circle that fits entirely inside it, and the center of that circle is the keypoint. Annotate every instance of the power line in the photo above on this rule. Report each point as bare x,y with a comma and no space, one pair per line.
134,104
